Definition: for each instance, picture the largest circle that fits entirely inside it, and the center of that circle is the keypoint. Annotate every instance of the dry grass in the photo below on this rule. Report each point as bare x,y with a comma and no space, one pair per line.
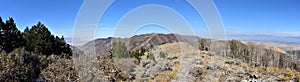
176,69
288,72
163,77
297,78
244,65
167,76
273,70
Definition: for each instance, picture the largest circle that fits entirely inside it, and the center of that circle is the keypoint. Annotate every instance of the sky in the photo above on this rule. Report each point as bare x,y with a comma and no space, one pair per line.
240,17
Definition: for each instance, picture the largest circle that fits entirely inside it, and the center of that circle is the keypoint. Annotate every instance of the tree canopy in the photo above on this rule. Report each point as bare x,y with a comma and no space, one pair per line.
37,39
10,35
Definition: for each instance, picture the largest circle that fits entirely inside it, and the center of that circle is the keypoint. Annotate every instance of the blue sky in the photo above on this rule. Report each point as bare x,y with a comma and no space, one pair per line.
57,15
268,17
260,16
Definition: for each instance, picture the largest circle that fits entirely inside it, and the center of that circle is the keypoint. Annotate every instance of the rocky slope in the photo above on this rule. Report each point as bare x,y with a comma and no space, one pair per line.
195,65
180,60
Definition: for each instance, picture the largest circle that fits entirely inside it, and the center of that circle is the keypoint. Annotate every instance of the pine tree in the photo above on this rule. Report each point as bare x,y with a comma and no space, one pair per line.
68,50
11,36
39,39
28,38
1,26
59,45
63,47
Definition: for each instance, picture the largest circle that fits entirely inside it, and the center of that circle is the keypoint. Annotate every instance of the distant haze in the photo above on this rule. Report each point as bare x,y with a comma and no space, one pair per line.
267,38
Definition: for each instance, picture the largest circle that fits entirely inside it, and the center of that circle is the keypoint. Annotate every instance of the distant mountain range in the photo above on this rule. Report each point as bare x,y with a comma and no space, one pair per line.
244,37
267,38
102,45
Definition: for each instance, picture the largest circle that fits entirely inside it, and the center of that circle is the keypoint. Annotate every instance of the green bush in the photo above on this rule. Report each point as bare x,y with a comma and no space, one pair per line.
137,54
163,55
151,56
118,50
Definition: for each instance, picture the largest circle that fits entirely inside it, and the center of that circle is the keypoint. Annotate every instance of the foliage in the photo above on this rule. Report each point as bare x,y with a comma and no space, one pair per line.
36,39
173,74
151,56
137,54
111,71
254,54
61,70
61,46
21,65
163,54
118,50
24,55
204,44
10,36
39,39
1,33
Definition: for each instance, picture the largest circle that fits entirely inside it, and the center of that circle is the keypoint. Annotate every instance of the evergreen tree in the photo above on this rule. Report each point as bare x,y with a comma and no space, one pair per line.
28,38
39,39
68,50
11,36
1,25
61,46
65,47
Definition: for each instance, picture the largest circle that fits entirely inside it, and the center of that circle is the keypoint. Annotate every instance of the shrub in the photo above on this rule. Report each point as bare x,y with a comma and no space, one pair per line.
151,56
204,44
137,54
118,50
20,65
62,70
163,55
173,74
297,77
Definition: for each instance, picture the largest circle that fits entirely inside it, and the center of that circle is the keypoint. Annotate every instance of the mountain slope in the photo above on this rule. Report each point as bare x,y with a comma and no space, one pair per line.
176,58
102,45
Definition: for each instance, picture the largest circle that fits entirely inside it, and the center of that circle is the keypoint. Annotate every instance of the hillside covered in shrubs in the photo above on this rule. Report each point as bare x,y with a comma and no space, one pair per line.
178,60
252,53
